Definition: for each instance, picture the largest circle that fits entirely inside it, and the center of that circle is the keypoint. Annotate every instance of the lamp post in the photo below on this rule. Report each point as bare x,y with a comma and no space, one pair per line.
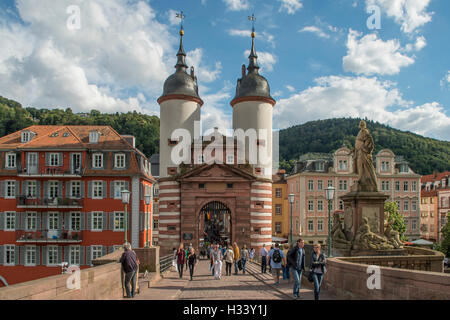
147,203
329,195
291,201
125,200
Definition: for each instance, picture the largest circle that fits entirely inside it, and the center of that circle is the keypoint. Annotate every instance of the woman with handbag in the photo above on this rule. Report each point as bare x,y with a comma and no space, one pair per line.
317,269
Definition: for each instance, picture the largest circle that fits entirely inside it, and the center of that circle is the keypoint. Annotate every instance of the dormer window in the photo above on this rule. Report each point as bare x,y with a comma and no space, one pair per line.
320,166
10,160
27,136
94,136
385,166
343,165
119,161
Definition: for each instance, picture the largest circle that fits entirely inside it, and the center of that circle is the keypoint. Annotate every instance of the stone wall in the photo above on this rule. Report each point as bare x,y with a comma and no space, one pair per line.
348,280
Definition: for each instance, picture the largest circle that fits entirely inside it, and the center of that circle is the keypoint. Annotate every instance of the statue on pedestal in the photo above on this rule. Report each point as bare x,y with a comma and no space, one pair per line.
337,234
393,236
367,240
362,160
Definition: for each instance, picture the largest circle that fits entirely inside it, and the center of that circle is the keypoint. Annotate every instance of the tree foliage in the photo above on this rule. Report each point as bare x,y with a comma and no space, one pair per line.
424,155
398,220
445,244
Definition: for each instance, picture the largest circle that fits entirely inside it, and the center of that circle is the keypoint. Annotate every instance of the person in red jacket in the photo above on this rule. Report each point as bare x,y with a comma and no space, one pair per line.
181,259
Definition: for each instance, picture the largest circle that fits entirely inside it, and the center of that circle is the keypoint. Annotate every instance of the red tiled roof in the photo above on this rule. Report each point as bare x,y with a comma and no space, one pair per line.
435,177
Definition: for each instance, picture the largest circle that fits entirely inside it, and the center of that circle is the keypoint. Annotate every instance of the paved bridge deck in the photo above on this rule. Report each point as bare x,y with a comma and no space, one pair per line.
250,286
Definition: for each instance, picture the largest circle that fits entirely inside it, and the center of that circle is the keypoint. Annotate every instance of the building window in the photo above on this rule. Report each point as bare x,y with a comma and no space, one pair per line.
405,186
230,159
406,205
94,136
414,205
10,189
53,189
278,193
118,187
118,221
310,185
398,204
343,165
52,255
201,186
320,166
97,189
96,252
75,189
320,225
330,183
53,221
31,189
414,224
292,188
277,227
341,205
310,225
75,221
30,255
10,160
229,185
10,221
397,185
310,205
414,186
296,186
319,205
155,225
10,255
74,255
278,209
320,185
54,159
342,185
30,224
403,168
296,205
385,166
97,161
385,185
119,161
97,221
26,135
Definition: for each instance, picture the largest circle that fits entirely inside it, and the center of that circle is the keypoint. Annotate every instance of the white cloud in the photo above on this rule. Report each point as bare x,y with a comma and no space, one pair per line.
290,88
213,114
266,60
317,31
196,58
420,43
410,14
445,81
237,5
264,36
335,96
370,55
290,6
172,16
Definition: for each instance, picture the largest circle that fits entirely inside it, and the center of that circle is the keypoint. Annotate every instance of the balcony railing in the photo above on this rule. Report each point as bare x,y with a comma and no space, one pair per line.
49,236
27,202
50,172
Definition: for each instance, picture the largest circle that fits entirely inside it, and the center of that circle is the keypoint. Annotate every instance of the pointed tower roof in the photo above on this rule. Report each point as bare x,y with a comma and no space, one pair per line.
252,86
181,85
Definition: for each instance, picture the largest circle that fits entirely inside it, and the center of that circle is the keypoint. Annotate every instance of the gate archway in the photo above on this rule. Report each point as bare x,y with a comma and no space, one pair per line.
215,223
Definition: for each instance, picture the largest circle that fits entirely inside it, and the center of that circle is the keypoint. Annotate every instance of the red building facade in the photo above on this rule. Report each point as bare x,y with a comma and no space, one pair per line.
60,198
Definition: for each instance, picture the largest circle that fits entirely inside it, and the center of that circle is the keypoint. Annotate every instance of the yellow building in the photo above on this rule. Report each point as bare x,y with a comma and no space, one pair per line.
280,206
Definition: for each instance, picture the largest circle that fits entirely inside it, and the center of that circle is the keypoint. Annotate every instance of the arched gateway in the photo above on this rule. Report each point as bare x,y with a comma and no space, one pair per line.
215,223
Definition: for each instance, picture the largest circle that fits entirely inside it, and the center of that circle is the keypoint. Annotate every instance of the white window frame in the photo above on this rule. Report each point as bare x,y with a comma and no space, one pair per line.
414,205
10,247
31,192
320,166
320,205
73,186
310,205
278,192
55,186
397,185
119,215
33,253
98,250
320,223
97,158
53,221
11,157
341,205
75,255
10,185
95,185
119,184
119,158
25,136
319,184
278,206
330,183
74,216
311,224
414,224
310,185
405,205
98,217
51,159
53,250
278,227
405,186
31,218
11,216
230,159
414,186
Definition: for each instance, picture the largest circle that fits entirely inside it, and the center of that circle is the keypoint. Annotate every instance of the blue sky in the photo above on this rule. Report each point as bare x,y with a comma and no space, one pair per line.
320,57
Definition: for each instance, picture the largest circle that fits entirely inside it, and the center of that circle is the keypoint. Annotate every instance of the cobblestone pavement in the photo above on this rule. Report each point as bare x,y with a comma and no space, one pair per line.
205,287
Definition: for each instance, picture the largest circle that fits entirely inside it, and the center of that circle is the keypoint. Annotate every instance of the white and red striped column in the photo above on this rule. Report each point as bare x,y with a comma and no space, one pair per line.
261,214
169,215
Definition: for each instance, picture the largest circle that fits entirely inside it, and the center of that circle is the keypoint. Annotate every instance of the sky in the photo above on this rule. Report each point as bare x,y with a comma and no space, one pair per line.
386,60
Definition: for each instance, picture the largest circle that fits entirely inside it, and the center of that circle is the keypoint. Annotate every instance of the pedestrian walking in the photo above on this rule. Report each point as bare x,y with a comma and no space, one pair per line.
211,260
318,269
263,253
296,262
217,258
244,257
285,266
237,257
268,260
181,260
192,261
252,254
276,261
229,257
129,263
186,252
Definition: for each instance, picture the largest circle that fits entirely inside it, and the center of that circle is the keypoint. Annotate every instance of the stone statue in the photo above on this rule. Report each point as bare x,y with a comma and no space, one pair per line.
393,236
348,219
337,235
362,160
367,240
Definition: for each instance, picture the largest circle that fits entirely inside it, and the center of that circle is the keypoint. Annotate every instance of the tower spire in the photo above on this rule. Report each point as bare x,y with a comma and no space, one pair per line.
253,57
181,55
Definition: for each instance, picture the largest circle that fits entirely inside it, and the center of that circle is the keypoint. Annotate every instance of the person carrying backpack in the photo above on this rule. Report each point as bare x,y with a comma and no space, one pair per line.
276,261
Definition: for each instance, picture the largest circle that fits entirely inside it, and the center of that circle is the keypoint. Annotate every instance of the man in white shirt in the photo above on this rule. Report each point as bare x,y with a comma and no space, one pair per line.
263,254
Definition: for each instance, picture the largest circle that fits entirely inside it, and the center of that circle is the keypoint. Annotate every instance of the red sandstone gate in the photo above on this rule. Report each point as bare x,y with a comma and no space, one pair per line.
215,223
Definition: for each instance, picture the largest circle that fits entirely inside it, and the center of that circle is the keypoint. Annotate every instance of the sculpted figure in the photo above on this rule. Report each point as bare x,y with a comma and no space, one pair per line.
362,159
366,239
393,236
338,236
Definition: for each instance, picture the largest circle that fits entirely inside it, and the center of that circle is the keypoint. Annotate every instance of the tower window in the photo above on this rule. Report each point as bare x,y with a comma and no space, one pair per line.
172,142
201,186
229,185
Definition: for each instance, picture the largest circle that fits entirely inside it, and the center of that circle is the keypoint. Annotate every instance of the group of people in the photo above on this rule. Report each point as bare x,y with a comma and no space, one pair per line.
293,260
185,257
231,255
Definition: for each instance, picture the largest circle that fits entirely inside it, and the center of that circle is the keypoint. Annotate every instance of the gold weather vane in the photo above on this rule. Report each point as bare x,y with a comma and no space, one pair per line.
252,18
181,16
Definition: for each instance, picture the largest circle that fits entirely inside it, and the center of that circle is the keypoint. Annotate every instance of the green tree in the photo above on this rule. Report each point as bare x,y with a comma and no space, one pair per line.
398,220
445,244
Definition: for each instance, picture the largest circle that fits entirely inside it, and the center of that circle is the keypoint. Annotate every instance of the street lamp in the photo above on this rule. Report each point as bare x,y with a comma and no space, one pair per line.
291,201
329,195
125,200
147,203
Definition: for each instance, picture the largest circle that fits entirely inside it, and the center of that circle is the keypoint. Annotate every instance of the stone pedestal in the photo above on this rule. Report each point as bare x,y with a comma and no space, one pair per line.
360,204
149,258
